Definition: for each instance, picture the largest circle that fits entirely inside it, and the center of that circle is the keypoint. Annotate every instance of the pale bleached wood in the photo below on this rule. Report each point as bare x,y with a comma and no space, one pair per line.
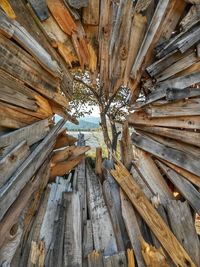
151,175
11,217
10,162
31,133
149,214
182,225
104,237
73,232
134,233
88,246
12,188
113,215
188,191
116,260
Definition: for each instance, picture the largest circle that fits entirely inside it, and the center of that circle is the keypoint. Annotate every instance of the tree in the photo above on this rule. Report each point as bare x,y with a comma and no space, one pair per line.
112,110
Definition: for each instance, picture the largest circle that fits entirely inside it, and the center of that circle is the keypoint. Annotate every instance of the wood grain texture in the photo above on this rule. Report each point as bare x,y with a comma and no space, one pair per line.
149,214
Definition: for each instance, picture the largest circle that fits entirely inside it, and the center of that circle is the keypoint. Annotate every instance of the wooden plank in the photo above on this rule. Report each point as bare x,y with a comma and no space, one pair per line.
87,239
181,82
51,212
151,175
126,146
95,259
186,122
103,234
153,257
81,187
68,152
104,37
113,215
98,162
173,94
73,231
5,5
189,137
31,133
116,200
149,214
29,71
189,176
10,162
116,260
77,3
177,67
65,167
186,148
134,233
62,16
177,157
91,13
152,35
64,139
188,107
20,203
40,9
13,29
138,28
12,188
185,187
182,225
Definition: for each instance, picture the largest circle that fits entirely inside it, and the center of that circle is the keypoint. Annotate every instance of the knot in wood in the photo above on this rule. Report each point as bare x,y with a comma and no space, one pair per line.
123,52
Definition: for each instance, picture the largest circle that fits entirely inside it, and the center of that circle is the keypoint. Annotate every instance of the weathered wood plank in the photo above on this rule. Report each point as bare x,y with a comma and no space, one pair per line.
177,157
188,107
73,231
189,137
10,162
95,259
20,203
134,233
31,133
104,237
21,65
12,29
113,215
64,167
149,214
40,8
116,260
91,13
187,122
188,175
185,187
182,225
153,257
12,188
151,175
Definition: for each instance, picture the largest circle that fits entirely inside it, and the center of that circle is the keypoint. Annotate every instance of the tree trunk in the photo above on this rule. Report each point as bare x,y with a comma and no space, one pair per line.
104,127
115,134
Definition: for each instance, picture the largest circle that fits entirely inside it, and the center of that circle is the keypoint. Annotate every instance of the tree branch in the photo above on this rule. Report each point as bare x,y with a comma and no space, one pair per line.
92,89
